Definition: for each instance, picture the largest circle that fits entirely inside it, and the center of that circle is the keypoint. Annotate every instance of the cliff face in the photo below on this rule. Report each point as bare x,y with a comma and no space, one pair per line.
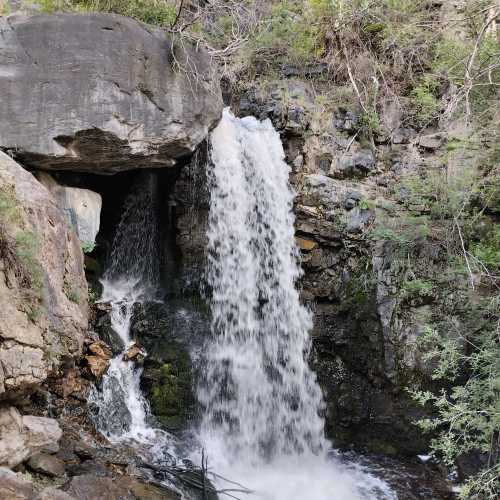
44,310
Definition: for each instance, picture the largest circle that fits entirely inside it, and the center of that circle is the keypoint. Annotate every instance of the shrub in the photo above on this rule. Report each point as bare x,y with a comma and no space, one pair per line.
88,246
19,250
487,251
417,288
468,413
424,101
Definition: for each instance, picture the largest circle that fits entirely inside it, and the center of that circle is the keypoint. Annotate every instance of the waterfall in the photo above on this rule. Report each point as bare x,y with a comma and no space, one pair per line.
132,276
262,422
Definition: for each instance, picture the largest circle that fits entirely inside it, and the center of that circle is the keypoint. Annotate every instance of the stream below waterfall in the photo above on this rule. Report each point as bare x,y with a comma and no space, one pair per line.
261,423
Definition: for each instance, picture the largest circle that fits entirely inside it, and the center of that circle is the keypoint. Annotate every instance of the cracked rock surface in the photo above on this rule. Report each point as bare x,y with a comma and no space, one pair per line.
43,292
101,93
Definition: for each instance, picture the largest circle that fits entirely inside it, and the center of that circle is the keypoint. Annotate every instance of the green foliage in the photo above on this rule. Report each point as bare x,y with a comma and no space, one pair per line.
403,231
370,122
436,193
19,250
424,100
9,211
88,246
4,9
72,294
171,396
93,295
487,250
157,12
417,288
27,248
366,204
288,35
468,411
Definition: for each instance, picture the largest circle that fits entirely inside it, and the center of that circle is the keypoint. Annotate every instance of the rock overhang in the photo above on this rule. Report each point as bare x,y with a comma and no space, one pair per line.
101,93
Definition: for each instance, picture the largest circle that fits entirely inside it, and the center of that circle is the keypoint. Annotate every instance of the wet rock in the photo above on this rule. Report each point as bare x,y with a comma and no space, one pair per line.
130,108
46,464
90,487
89,467
97,362
71,384
43,310
305,244
144,491
101,349
135,353
23,436
105,331
170,332
13,487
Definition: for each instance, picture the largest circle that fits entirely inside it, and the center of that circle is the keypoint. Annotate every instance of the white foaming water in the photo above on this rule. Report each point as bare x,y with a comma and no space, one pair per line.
131,277
262,425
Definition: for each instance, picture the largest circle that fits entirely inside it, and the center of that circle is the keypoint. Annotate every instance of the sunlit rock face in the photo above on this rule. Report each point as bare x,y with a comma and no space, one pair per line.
43,292
101,93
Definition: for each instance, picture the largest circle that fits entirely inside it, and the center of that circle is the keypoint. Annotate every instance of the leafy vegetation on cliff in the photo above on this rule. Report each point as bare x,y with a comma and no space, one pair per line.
18,251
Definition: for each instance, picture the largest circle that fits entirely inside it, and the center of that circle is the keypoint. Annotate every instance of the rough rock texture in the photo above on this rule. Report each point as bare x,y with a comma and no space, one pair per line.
23,436
12,487
90,487
171,332
46,464
82,208
43,292
53,494
106,93
97,359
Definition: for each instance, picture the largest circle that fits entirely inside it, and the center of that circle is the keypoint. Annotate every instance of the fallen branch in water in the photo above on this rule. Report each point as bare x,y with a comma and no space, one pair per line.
200,484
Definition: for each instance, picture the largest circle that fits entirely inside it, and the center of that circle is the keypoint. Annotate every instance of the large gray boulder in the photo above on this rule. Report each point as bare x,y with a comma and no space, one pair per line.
101,93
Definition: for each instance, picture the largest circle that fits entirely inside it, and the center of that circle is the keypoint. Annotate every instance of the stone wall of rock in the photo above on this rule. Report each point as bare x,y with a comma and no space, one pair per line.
43,292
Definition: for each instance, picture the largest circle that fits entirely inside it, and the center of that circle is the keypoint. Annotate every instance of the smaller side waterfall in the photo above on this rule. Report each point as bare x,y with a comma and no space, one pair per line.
132,276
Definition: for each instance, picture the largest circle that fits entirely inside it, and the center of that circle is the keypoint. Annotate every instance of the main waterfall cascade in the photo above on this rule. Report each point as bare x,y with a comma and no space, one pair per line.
261,423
